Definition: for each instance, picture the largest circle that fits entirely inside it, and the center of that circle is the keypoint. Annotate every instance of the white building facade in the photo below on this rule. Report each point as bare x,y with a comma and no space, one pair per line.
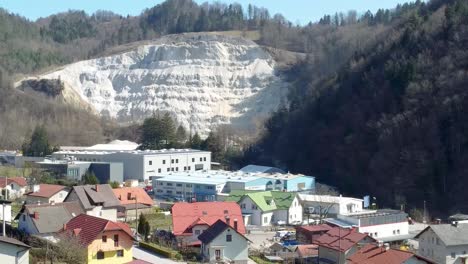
141,165
13,251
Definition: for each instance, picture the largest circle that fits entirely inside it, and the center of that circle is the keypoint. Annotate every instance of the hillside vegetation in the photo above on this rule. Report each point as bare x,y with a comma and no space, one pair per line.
391,122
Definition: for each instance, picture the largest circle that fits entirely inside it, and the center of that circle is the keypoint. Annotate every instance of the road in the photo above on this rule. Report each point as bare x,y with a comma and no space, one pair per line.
139,253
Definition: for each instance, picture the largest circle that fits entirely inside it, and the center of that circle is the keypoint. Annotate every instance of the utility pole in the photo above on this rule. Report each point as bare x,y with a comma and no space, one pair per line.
424,213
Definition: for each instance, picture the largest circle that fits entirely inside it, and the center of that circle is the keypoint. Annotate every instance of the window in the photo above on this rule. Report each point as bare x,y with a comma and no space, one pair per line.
160,183
188,167
179,184
172,169
188,185
177,161
437,241
452,255
185,168
116,240
204,159
179,193
172,160
228,238
243,206
164,161
169,184
168,169
104,239
193,159
265,219
188,193
197,232
201,159
398,231
120,253
160,191
159,170
375,234
150,162
177,169
169,191
100,255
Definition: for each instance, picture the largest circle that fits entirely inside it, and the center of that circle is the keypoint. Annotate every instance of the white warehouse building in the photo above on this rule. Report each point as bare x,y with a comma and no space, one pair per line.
143,164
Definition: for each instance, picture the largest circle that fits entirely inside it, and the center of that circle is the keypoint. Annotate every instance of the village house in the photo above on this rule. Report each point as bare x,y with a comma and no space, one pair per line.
189,220
13,251
47,193
133,201
336,245
5,210
46,220
268,207
308,234
223,243
330,206
444,244
14,186
96,200
106,241
374,254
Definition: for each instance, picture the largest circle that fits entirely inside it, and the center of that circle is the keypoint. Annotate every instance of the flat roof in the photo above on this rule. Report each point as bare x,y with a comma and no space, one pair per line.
374,213
206,177
134,152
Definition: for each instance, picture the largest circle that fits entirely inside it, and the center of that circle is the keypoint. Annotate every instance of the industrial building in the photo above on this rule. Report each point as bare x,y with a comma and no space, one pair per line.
75,170
214,185
143,164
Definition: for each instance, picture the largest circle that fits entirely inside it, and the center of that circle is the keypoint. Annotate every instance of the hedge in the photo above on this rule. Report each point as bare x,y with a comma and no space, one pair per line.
163,251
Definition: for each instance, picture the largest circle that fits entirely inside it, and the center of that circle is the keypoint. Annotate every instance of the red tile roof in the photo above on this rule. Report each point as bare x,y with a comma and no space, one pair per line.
47,190
373,254
186,215
306,251
341,239
123,194
21,181
88,227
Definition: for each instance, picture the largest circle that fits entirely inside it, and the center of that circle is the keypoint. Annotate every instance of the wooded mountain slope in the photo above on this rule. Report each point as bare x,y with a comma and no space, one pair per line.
392,123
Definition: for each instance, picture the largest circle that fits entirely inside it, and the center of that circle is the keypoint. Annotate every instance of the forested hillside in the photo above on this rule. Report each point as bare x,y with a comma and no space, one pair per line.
392,122
30,47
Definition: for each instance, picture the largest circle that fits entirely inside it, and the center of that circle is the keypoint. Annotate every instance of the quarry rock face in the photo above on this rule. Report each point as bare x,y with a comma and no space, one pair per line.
202,80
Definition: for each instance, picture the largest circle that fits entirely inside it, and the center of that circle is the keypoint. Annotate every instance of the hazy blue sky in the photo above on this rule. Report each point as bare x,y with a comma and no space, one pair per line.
295,10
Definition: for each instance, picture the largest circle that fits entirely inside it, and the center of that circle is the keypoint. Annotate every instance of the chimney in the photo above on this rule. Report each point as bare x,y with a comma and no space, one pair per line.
36,215
36,188
97,187
65,226
235,224
228,220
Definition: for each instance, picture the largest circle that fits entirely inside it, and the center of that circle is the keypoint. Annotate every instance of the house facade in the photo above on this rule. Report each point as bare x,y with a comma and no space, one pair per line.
268,207
14,186
47,193
13,251
222,243
106,241
445,244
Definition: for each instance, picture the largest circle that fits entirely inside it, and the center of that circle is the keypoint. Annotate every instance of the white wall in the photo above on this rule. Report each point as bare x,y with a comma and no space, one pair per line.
175,162
249,207
9,253
387,230
236,250
436,250
295,211
7,212
106,213
56,198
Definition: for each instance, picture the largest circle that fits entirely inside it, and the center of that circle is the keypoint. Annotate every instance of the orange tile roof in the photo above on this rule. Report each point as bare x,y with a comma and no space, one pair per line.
307,250
87,227
123,194
186,215
47,190
373,254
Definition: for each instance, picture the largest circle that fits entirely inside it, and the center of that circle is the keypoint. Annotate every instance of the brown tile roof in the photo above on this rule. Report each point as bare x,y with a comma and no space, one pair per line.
87,228
47,190
373,254
341,239
306,251
92,195
127,195
21,181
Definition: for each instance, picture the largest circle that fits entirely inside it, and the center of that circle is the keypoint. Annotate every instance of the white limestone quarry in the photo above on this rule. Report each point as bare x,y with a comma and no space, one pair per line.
202,80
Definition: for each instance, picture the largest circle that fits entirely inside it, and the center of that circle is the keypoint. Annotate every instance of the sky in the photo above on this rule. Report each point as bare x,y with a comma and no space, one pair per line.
297,11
